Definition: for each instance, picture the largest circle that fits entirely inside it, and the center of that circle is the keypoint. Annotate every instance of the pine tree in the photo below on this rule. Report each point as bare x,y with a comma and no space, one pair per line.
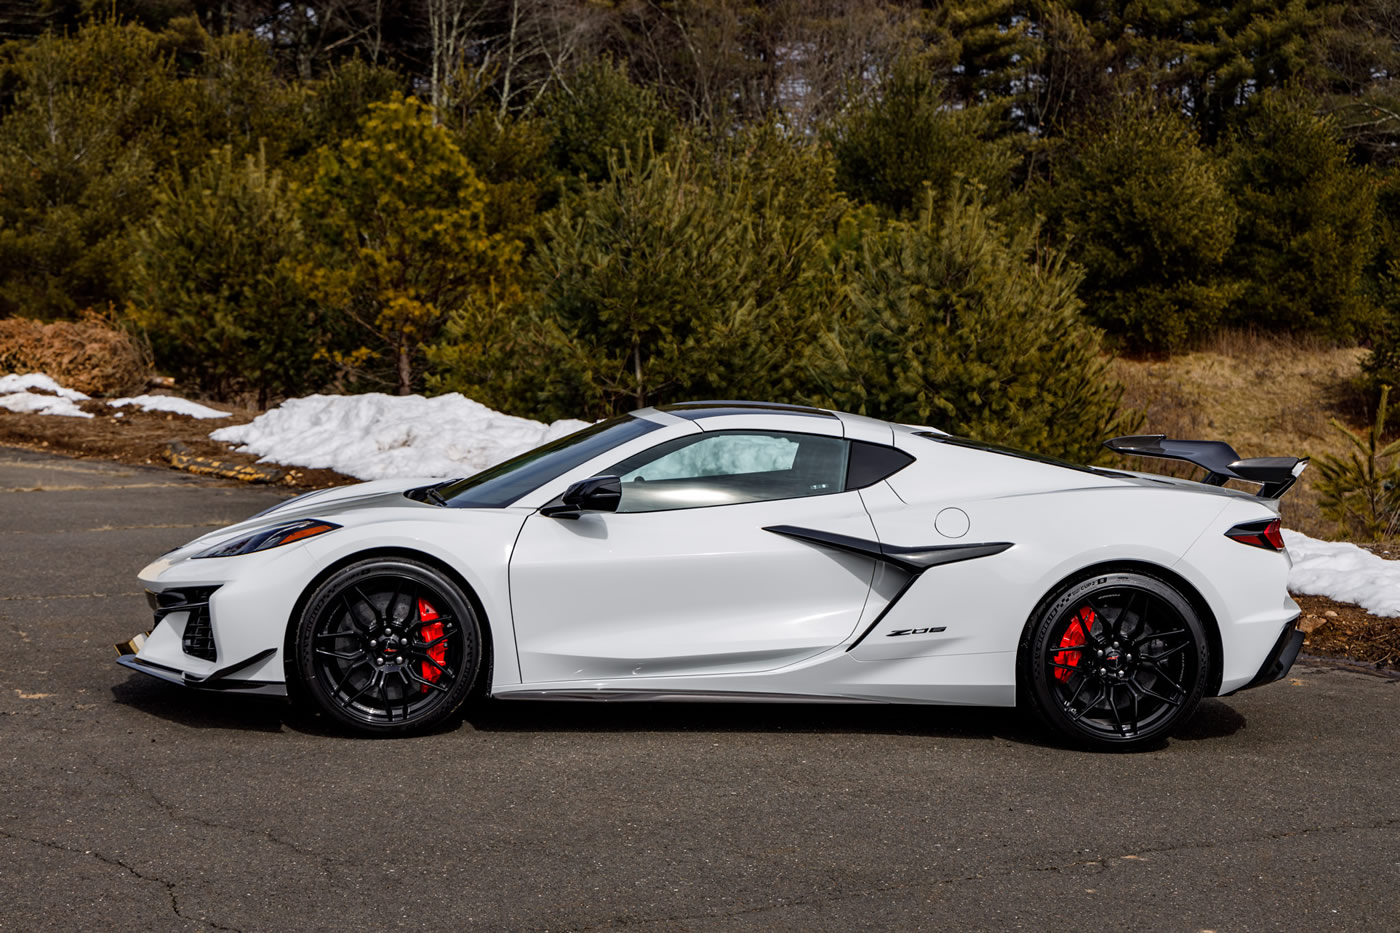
1306,222
397,224
911,137
209,283
952,321
596,113
1146,212
683,276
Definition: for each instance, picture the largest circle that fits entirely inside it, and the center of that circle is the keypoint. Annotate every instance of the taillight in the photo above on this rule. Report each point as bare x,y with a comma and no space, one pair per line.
1266,533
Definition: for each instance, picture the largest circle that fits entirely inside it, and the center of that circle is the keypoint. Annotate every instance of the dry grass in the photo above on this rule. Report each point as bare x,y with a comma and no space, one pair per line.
89,355
1264,395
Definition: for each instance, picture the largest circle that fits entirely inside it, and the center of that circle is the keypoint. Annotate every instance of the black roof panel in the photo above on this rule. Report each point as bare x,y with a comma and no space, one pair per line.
713,409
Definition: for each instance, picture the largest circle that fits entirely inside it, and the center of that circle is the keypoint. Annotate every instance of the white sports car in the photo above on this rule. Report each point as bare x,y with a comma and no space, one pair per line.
741,550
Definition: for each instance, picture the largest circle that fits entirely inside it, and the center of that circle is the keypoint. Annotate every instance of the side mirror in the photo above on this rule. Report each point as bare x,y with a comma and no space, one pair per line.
595,494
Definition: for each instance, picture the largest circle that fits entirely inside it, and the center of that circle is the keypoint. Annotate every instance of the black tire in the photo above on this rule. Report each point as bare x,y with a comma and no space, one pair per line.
388,646
1115,661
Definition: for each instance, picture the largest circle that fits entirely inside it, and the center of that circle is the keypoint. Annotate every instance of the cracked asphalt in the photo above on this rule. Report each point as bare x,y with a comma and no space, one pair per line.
130,804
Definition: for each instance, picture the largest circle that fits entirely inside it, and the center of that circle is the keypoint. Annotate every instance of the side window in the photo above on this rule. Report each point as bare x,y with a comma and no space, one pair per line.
731,467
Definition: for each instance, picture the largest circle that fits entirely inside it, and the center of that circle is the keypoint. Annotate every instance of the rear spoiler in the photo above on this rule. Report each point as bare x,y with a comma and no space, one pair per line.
1273,474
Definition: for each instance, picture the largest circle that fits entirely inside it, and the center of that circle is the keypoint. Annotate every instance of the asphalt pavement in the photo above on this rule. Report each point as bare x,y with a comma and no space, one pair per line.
131,804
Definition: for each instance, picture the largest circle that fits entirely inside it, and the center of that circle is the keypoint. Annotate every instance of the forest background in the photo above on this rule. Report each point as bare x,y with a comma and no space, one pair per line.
953,214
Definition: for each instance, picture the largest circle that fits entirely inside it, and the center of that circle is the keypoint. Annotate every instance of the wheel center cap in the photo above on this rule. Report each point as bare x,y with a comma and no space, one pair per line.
1113,659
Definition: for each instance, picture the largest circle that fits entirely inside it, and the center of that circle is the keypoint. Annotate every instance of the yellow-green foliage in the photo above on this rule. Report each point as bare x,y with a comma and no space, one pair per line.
1362,492
397,221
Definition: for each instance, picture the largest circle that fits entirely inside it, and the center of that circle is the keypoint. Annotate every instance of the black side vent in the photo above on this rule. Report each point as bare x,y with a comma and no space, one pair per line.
198,640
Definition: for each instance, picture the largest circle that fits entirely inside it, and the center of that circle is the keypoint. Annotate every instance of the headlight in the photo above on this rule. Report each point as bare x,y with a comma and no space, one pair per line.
265,538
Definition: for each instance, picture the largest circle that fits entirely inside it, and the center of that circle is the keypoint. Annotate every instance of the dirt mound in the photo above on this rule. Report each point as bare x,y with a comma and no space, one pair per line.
89,355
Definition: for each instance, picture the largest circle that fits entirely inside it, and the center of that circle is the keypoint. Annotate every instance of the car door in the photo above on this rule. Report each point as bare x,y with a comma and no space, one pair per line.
683,578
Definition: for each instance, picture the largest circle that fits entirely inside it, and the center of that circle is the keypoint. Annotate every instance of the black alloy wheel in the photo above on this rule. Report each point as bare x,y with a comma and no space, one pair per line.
388,647
1116,661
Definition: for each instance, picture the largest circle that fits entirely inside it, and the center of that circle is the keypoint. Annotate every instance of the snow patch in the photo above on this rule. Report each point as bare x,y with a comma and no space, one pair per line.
170,403
34,403
15,382
377,436
1343,572
15,396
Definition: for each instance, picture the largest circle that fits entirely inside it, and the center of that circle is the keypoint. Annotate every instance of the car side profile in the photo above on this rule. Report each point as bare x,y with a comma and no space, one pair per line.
721,550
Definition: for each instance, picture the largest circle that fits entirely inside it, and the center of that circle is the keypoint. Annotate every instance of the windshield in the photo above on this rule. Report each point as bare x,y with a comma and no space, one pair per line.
500,485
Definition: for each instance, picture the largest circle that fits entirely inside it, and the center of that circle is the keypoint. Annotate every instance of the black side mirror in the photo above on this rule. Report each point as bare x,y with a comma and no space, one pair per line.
595,494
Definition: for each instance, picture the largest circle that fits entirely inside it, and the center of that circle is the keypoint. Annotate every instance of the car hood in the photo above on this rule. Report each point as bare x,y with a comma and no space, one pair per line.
327,504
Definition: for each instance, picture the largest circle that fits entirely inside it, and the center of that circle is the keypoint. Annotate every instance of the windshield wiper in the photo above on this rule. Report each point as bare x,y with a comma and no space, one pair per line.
431,494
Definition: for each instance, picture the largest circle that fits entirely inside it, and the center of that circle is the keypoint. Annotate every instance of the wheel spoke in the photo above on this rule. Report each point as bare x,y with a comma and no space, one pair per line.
369,604
1157,636
1083,682
1088,706
424,681
1165,654
346,676
1113,706
342,655
370,682
1068,667
1138,597
394,601
1171,701
1102,618
429,659
1162,674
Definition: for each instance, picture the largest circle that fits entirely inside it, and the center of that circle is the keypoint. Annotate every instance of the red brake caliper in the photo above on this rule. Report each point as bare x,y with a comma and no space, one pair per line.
1074,636
430,632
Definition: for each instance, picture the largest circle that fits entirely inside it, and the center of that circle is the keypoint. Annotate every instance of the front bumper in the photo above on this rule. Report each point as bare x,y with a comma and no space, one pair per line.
217,680
1280,659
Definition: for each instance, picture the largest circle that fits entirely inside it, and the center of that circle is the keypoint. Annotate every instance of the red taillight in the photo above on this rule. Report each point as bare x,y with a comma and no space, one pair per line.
1267,534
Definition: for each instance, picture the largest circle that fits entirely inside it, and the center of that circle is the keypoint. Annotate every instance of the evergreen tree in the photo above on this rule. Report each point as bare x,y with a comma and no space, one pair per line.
1146,212
397,223
598,112
952,321
911,137
92,119
1306,222
210,283
682,276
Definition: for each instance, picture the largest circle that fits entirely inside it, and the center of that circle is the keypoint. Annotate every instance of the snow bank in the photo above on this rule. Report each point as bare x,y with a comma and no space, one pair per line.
170,403
1343,572
17,383
378,436
15,395
37,404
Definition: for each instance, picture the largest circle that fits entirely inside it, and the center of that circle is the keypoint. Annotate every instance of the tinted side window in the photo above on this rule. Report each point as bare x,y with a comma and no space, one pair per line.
871,463
500,485
726,468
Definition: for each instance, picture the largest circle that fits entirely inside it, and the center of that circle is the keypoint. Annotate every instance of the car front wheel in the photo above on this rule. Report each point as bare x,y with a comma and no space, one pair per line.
388,647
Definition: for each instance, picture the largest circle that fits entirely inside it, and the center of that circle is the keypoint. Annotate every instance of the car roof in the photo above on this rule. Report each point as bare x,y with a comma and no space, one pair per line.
695,411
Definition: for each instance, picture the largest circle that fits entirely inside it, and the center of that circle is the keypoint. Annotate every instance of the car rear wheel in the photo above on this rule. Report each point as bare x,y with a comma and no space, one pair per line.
1115,661
388,647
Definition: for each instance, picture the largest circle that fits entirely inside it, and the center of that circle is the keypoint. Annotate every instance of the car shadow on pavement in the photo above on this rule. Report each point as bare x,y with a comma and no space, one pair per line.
197,709
1214,719
204,710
